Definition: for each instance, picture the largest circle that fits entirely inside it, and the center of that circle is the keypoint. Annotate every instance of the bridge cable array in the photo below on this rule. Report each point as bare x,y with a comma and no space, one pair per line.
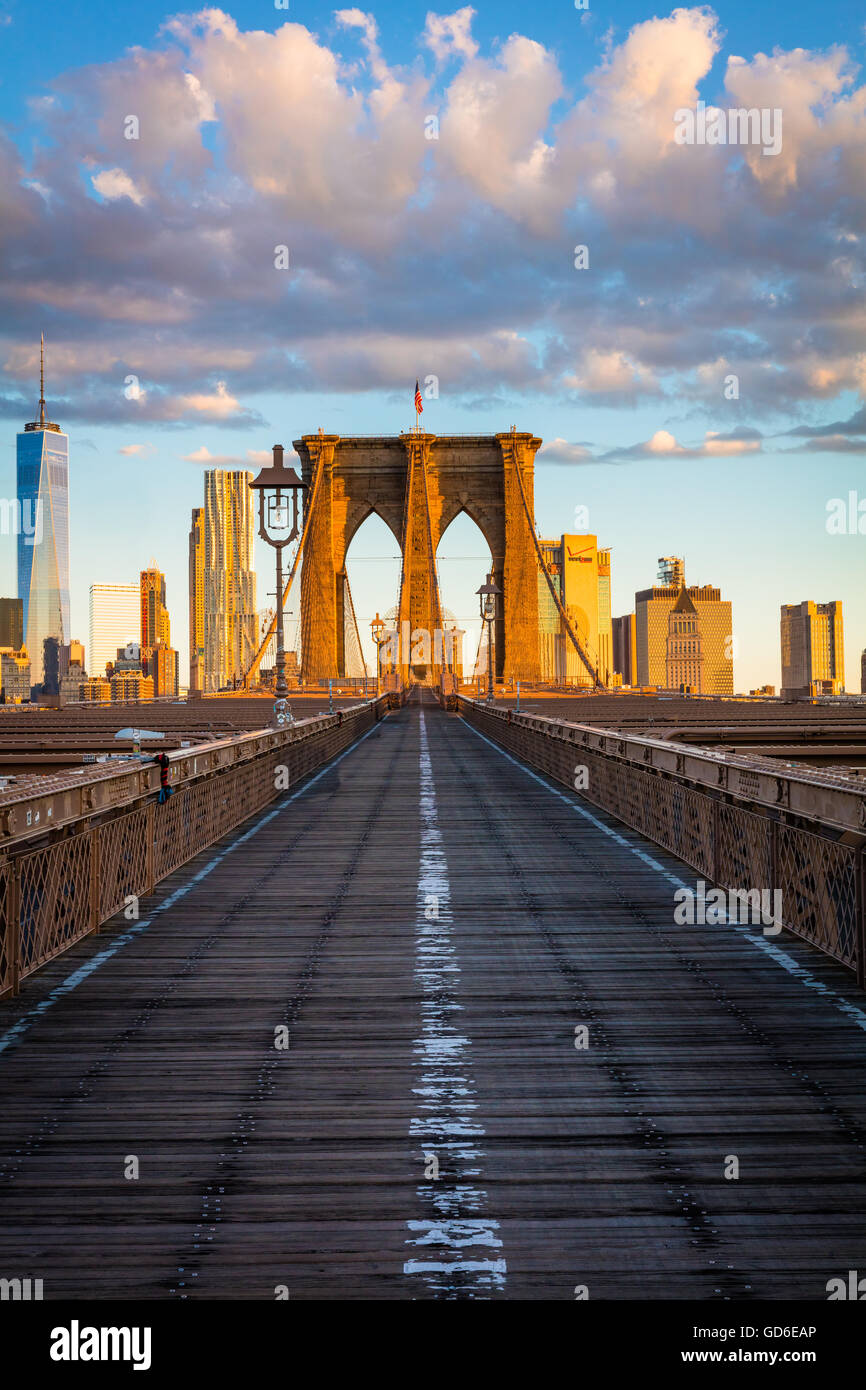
354,663
579,646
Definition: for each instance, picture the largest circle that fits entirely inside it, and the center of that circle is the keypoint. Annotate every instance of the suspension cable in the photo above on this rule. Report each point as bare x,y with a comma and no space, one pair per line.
576,643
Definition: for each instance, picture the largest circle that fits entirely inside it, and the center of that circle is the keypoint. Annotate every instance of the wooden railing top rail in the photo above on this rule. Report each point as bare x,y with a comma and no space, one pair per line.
32,811
836,799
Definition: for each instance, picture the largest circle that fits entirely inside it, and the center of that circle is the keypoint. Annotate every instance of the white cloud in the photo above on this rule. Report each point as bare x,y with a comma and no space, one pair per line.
259,457
492,129
447,35
358,19
604,373
219,403
204,455
116,183
561,451
663,444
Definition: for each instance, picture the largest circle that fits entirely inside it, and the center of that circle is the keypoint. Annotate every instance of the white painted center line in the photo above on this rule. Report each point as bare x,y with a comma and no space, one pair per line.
457,1238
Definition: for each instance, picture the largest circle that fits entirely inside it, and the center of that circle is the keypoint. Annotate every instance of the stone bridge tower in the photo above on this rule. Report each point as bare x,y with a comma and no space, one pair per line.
418,484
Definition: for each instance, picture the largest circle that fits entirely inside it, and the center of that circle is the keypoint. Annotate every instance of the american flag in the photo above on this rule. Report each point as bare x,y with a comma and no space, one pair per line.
418,406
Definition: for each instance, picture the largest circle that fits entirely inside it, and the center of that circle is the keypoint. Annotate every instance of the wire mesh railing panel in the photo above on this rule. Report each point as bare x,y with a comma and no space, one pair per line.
697,840
123,866
744,853
818,882
55,899
7,943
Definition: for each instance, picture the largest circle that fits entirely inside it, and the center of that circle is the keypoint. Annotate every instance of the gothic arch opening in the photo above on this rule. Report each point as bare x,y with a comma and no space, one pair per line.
372,568
463,561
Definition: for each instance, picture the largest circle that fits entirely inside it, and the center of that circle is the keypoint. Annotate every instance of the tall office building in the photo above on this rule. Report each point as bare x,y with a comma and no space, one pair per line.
580,572
11,623
58,657
14,677
550,650
684,661
813,652
625,648
196,600
115,620
652,612
863,672
158,657
229,579
43,532
155,624
162,668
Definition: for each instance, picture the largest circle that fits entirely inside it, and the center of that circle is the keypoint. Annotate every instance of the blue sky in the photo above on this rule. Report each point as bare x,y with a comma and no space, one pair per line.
452,258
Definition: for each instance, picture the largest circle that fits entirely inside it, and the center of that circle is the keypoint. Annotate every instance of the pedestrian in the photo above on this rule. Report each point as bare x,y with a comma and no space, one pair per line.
165,791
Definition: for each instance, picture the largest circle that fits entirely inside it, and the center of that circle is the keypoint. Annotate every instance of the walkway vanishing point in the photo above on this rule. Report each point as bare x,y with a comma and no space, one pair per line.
435,930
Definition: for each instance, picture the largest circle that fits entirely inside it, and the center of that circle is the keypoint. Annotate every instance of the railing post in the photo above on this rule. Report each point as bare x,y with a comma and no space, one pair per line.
148,825
13,909
94,879
860,894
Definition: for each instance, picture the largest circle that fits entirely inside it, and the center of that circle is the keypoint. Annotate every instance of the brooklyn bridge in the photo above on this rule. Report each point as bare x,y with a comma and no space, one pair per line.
417,484
394,1001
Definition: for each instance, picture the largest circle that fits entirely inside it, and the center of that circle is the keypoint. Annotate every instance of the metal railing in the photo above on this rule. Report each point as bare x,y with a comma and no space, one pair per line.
73,857
743,824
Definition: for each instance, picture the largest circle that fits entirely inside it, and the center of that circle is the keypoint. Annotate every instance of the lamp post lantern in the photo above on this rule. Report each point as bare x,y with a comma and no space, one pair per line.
278,488
378,627
487,603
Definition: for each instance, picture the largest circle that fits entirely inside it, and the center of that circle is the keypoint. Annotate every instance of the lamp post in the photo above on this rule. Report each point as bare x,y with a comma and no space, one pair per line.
378,627
278,488
487,603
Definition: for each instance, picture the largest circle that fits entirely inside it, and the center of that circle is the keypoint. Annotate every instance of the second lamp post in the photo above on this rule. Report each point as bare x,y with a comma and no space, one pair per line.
487,602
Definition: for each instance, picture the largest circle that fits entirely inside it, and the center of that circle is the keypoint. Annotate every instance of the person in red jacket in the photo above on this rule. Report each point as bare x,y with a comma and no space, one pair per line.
165,791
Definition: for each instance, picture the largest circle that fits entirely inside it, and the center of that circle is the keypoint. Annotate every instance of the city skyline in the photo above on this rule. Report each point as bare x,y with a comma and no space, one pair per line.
461,527
697,381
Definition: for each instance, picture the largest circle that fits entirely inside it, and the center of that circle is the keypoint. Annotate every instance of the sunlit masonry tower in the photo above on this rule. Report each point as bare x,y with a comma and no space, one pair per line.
418,483
42,455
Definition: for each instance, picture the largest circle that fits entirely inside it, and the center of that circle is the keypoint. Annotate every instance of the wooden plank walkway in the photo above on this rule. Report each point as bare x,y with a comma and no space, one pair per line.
431,924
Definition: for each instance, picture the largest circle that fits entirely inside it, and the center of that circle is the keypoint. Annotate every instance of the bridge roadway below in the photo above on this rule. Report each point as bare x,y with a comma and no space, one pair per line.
431,923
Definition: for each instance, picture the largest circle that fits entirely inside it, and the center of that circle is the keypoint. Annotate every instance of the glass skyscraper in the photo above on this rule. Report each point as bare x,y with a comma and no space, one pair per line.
230,626
43,534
